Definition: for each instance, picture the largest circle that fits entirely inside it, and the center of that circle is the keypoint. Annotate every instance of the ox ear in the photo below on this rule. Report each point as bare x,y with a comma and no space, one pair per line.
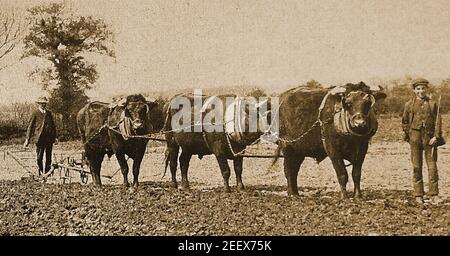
378,93
151,103
337,94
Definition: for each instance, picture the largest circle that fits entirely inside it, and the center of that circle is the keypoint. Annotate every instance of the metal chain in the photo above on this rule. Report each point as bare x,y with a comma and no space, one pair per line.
318,122
240,153
145,136
149,135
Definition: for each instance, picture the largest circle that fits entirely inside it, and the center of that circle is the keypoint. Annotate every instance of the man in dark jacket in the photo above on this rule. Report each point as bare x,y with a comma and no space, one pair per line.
42,131
422,132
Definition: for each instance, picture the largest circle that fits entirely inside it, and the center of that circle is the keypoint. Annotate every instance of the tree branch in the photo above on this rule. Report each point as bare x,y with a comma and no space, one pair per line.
11,31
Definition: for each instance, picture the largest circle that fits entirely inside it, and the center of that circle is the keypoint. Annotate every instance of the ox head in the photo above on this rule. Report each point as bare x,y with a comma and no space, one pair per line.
137,110
357,100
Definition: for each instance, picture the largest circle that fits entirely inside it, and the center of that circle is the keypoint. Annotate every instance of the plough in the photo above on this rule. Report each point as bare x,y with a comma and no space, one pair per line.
64,167
21,160
70,164
67,165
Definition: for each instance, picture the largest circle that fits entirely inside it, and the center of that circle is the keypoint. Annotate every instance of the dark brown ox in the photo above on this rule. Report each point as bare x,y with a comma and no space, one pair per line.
109,129
336,122
205,142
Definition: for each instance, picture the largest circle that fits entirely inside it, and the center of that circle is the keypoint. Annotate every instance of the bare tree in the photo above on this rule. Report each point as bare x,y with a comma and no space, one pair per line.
21,112
12,27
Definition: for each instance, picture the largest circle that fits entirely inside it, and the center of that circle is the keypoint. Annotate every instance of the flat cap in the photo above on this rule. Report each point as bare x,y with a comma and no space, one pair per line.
420,81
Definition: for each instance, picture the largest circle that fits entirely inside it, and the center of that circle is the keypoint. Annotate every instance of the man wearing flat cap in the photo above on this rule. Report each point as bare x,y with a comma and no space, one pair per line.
422,125
42,131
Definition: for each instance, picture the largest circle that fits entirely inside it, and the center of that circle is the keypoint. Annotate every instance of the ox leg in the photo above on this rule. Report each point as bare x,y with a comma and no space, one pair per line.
173,164
356,176
291,168
136,168
225,169
342,176
123,167
238,171
185,158
359,156
95,164
95,167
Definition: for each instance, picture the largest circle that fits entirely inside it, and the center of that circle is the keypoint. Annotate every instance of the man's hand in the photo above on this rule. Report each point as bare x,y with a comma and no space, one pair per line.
432,141
25,144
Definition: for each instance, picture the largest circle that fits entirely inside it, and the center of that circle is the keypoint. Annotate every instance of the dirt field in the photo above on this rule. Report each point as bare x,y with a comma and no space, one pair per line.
32,208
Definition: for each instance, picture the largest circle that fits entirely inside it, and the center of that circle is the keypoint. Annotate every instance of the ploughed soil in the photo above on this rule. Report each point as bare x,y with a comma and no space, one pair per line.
31,207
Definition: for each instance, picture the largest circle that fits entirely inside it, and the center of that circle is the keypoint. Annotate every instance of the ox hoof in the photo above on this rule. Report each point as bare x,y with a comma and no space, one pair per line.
344,196
240,188
358,197
227,190
96,188
294,195
173,184
185,188
132,189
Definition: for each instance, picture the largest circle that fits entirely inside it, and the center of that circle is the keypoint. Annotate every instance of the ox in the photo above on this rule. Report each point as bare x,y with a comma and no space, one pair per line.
336,122
223,144
109,129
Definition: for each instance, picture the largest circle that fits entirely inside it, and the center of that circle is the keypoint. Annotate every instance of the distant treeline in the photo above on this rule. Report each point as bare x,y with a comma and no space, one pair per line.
398,94
14,118
400,91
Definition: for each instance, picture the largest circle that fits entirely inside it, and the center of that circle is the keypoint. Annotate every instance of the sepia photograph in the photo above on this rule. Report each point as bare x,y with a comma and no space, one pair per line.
224,118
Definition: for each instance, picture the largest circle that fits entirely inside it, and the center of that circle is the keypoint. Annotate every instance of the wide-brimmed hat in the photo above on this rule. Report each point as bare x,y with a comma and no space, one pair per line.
42,100
419,81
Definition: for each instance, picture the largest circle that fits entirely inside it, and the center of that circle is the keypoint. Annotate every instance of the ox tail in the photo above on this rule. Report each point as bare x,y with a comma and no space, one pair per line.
275,159
81,122
168,117
166,161
167,133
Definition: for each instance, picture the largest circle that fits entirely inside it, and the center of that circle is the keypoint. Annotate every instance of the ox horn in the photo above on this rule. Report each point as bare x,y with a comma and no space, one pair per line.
122,102
376,88
337,90
372,99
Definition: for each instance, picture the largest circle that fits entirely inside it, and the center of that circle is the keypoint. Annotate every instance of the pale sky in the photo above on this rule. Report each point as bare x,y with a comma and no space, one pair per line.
273,44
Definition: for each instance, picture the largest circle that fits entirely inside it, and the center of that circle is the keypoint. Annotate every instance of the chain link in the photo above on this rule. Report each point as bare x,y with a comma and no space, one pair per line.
240,153
301,136
150,137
